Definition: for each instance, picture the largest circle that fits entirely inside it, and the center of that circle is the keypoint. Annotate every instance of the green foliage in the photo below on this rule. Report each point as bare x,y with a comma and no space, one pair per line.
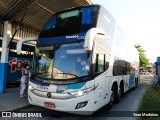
143,59
150,103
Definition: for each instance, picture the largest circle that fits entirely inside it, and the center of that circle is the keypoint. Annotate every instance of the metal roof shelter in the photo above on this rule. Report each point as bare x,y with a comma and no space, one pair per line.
38,11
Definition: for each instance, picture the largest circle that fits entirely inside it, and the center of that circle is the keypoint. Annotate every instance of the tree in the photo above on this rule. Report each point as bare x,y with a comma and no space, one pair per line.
143,59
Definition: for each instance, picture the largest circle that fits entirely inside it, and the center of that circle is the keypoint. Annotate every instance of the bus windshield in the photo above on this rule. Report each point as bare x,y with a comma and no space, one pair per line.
70,22
44,61
66,61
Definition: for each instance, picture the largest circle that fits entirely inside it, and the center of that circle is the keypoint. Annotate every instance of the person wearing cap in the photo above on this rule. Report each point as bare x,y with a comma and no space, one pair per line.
24,80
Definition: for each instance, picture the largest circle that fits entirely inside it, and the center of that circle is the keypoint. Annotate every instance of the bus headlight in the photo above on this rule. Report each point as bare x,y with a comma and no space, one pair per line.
30,87
80,93
83,92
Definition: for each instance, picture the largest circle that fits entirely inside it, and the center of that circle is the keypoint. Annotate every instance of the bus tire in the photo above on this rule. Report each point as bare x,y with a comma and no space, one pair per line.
112,99
136,83
115,93
120,92
118,95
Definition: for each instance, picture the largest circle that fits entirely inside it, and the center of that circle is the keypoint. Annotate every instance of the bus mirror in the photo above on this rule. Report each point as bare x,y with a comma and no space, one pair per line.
90,36
20,42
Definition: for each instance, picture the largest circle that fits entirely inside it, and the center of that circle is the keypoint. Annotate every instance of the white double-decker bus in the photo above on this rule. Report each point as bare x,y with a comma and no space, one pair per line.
83,61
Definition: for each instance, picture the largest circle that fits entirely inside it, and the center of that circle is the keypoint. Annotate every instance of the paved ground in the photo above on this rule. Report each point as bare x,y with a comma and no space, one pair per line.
10,100
125,107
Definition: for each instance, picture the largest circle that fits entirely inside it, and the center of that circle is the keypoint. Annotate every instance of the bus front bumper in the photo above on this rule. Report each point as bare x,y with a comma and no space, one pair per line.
78,105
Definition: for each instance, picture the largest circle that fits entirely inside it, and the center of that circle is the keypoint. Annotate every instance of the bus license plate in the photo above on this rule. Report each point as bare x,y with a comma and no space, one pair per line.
49,105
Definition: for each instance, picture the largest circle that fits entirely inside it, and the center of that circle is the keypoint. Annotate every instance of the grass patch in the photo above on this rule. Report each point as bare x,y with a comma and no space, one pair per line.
150,103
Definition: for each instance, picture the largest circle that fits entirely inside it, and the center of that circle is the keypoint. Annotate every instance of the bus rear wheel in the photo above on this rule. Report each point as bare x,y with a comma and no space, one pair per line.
119,95
136,83
112,99
120,92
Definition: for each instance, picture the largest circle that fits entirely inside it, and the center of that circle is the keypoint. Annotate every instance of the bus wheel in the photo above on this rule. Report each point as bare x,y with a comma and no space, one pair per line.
136,84
120,92
112,99
118,95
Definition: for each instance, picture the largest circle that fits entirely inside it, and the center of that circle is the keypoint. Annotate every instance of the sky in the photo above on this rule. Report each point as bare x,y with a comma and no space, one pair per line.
140,20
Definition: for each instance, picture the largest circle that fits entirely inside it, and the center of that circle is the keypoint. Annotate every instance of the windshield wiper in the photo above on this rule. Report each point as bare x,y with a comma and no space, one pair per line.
43,72
68,74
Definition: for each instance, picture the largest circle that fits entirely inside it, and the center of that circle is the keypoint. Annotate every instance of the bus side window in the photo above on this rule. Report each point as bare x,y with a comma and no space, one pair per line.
100,63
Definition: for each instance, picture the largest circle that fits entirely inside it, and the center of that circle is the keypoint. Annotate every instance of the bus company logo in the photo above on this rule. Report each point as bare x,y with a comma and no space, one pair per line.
74,36
62,88
17,64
